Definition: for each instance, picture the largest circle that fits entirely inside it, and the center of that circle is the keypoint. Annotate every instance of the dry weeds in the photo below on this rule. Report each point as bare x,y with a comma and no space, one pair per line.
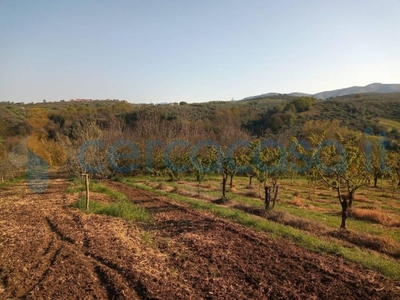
382,244
371,215
297,201
296,222
250,193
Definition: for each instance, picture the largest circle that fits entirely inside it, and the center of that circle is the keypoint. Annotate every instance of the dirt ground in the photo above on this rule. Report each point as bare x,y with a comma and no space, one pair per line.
49,250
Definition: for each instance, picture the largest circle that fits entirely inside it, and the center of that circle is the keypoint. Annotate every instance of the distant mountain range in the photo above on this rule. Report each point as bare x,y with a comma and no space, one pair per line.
371,88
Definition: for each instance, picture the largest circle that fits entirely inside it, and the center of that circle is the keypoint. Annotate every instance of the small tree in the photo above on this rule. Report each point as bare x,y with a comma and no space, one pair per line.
200,176
268,162
208,161
344,162
394,170
376,160
236,162
300,162
260,175
200,169
84,149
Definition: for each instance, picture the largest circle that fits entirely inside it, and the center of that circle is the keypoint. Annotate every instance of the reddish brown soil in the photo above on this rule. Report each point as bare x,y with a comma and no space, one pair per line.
49,250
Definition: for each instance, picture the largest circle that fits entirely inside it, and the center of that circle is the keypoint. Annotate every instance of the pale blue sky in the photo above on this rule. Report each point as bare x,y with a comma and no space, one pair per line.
195,51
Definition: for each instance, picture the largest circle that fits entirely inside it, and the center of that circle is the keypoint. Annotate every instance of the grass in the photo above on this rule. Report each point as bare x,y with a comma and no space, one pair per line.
120,206
122,209
382,244
293,199
4,184
9,182
368,259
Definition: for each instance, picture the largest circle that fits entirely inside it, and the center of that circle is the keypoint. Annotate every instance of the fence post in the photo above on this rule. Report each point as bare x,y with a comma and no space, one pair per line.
87,190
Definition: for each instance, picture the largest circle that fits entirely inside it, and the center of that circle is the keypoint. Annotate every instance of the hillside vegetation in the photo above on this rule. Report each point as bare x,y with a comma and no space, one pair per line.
65,125
258,117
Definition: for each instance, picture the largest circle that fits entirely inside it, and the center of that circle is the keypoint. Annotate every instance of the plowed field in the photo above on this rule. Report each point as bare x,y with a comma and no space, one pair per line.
50,250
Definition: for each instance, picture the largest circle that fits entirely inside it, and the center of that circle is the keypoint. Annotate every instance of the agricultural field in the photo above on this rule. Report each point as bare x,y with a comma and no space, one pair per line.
148,238
157,150
303,209
166,222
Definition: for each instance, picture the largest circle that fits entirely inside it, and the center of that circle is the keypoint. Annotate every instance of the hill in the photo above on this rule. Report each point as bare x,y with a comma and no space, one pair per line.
270,116
371,88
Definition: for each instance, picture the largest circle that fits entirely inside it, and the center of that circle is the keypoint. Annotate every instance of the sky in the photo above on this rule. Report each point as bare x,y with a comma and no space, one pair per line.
193,51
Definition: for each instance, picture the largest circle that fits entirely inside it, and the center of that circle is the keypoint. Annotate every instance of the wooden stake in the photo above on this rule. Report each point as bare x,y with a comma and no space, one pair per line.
87,190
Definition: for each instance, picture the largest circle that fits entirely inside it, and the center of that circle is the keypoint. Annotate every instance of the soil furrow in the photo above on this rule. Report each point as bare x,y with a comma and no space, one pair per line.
227,260
50,250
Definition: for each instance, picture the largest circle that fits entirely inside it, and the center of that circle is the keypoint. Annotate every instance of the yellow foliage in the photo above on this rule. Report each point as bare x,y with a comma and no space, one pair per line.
328,129
47,149
37,117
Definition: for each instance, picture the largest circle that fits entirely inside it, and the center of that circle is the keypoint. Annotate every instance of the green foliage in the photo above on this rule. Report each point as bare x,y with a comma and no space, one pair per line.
123,209
77,185
300,104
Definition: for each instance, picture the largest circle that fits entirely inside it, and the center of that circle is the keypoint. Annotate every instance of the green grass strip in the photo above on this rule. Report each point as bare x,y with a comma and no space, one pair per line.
122,208
9,182
368,259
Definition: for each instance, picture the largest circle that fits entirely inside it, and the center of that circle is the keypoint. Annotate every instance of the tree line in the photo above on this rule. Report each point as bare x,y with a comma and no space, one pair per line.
279,139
